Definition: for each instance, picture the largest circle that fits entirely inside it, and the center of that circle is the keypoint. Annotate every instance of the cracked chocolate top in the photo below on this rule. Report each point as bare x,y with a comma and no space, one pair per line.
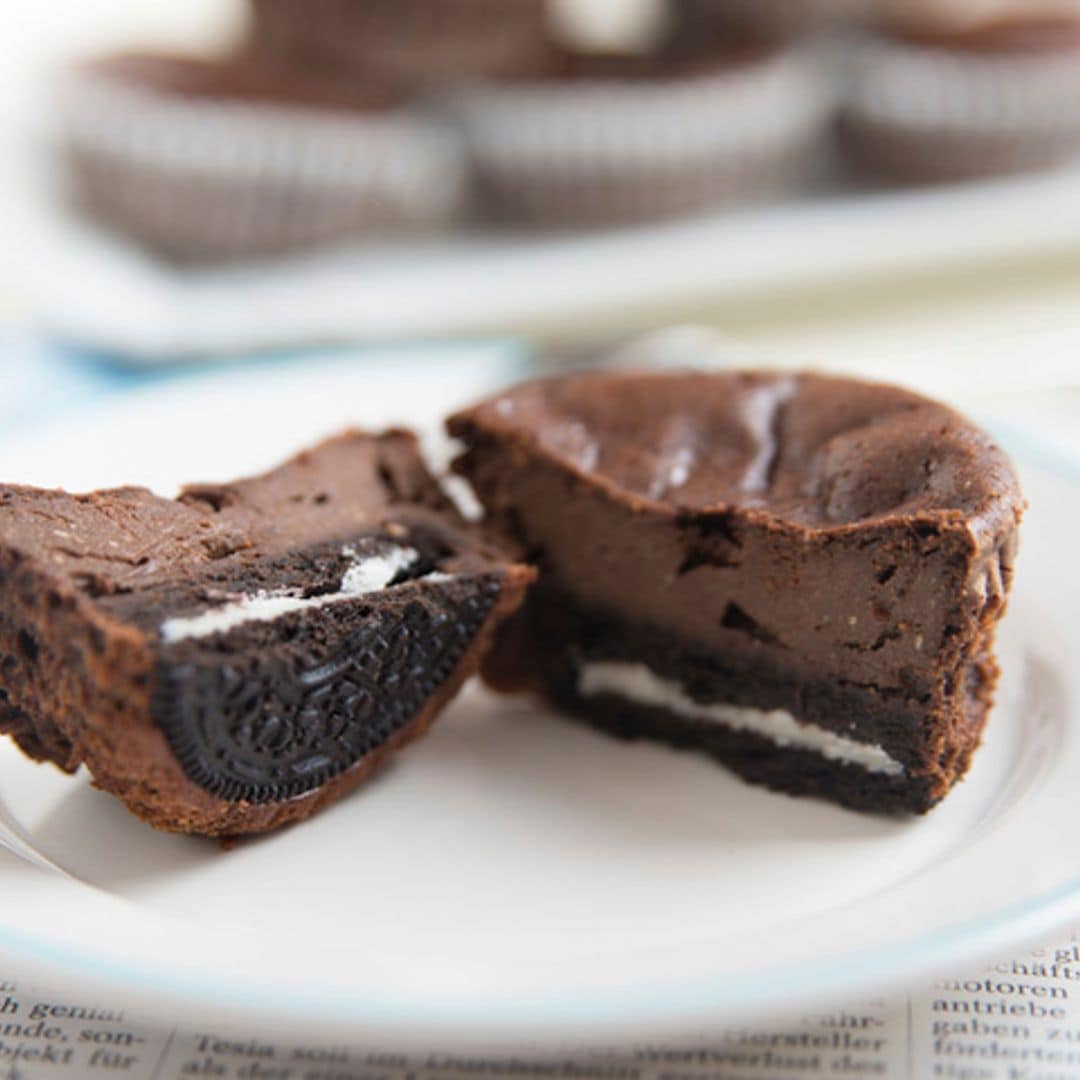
810,450
109,544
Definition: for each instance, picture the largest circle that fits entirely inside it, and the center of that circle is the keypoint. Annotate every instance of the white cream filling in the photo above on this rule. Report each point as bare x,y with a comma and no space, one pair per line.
366,575
374,572
642,686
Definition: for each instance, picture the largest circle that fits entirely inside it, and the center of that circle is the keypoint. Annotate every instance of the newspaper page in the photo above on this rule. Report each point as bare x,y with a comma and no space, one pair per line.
1014,1019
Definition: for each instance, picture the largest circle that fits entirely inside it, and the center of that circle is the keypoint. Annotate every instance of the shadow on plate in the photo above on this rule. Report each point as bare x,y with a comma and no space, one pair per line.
497,770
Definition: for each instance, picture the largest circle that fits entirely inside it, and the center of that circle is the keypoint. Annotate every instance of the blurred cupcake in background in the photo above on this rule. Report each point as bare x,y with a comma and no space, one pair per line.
411,42
951,91
209,159
655,123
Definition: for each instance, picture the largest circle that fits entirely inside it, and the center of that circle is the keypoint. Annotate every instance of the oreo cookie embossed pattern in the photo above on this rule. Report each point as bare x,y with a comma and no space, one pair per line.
279,722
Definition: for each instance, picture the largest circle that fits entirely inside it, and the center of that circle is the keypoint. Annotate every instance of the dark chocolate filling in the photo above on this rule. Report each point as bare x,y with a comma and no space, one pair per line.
793,771
863,714
312,571
562,636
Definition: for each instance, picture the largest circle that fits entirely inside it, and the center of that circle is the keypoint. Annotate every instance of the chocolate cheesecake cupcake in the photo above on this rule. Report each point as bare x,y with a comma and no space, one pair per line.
238,658
413,43
798,575
206,159
970,100
604,139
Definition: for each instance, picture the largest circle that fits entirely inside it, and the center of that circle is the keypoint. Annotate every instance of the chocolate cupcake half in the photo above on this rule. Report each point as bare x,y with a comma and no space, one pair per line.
609,139
238,658
798,575
411,42
201,159
977,101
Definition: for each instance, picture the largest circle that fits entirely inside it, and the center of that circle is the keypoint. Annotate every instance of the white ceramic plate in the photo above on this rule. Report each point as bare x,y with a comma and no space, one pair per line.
515,877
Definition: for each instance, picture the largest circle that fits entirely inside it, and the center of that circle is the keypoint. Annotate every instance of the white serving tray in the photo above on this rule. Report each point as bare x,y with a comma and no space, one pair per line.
103,294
